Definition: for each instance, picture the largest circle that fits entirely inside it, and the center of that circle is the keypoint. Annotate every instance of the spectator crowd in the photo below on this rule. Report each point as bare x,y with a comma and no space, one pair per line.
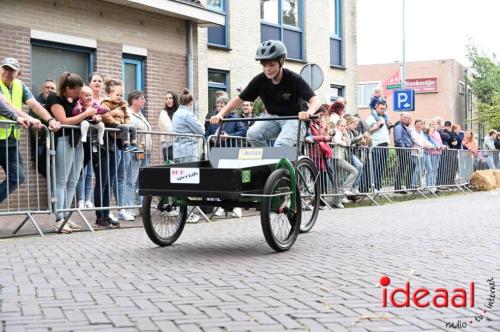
101,156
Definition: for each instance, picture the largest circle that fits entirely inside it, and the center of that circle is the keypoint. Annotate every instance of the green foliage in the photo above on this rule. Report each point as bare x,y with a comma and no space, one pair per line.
258,107
490,113
485,86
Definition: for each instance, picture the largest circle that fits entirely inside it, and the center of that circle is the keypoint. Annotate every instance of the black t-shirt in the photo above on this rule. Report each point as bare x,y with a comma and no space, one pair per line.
53,99
283,98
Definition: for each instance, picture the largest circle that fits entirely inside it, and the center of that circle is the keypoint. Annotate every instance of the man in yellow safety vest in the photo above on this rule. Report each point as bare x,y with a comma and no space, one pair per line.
14,93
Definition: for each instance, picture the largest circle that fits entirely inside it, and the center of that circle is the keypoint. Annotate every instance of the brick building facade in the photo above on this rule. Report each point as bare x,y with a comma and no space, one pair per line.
147,45
104,34
446,97
328,38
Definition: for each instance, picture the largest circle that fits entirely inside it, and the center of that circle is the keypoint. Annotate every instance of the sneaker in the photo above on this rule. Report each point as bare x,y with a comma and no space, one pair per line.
112,216
65,230
124,215
81,204
89,205
73,225
338,205
137,150
103,223
237,213
114,223
220,212
348,192
173,213
193,219
345,200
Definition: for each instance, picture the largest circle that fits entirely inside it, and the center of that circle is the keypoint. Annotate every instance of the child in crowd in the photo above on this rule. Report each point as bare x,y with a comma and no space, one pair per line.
81,106
118,117
378,96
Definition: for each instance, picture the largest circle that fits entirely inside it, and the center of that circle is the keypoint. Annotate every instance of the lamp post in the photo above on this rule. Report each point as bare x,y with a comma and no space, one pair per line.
403,69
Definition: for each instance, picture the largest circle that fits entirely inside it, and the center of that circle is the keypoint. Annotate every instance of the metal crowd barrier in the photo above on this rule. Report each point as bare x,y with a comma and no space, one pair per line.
380,171
487,159
26,179
114,172
346,172
111,174
395,170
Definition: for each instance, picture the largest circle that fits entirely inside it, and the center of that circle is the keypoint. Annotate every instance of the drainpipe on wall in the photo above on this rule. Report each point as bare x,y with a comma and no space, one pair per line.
190,66
190,70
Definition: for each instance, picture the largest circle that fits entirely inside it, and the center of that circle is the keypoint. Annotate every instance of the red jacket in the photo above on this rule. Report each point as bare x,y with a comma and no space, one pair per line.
321,151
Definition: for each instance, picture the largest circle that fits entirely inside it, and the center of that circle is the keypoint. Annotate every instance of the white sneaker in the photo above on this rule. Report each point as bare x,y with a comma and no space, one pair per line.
89,204
124,215
73,226
112,216
81,204
345,200
66,229
220,212
348,192
237,213
174,213
338,205
193,219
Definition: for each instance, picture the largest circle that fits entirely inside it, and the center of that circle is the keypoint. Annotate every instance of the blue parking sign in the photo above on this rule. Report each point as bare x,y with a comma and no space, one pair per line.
404,100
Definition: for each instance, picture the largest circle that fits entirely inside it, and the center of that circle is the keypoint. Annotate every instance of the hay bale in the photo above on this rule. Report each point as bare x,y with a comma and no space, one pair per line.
497,177
483,180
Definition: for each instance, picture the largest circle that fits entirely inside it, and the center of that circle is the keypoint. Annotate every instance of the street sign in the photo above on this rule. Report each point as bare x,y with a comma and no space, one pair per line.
404,100
313,75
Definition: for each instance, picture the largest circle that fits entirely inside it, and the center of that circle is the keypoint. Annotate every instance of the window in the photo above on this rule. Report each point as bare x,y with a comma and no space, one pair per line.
461,87
365,92
217,36
282,20
336,91
50,60
217,80
132,74
336,40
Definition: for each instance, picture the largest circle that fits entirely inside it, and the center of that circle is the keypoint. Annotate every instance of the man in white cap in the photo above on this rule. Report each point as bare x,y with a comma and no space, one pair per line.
14,93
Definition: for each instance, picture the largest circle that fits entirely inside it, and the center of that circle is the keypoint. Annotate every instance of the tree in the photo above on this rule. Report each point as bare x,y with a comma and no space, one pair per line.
485,85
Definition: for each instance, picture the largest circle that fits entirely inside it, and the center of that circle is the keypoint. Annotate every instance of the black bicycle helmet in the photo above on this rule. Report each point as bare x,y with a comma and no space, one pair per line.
271,50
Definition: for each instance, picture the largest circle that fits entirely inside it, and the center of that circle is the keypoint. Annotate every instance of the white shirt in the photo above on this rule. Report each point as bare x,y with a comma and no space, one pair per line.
381,135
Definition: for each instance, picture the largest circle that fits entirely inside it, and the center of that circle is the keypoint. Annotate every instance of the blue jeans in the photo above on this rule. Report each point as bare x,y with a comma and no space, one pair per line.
431,166
85,184
69,163
13,166
359,166
284,131
104,168
133,179
118,178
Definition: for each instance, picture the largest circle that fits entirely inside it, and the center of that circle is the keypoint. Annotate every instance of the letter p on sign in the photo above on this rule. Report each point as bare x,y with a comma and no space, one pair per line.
404,100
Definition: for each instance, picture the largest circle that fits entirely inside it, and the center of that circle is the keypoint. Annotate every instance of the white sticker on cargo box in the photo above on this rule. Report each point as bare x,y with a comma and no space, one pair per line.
184,175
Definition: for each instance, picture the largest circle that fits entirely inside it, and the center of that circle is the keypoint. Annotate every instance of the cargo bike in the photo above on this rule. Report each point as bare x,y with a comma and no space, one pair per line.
278,181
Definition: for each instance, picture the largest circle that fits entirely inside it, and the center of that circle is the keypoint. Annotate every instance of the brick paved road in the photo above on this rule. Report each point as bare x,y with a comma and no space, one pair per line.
223,277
